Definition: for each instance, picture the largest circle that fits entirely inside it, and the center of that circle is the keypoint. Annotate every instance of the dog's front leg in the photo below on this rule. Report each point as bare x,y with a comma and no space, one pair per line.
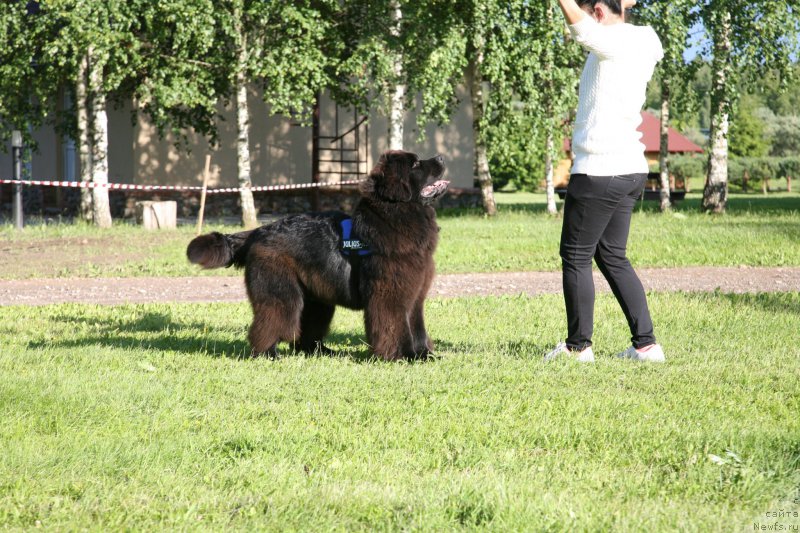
422,343
388,331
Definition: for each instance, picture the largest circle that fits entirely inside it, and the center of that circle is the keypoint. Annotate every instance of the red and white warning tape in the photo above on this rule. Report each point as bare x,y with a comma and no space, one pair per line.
130,186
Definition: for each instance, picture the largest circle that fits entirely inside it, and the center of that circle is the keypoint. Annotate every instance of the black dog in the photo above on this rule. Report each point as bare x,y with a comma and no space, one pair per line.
298,269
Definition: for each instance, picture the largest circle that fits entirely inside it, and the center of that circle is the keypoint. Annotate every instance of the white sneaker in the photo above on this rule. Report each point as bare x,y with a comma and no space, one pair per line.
655,354
584,356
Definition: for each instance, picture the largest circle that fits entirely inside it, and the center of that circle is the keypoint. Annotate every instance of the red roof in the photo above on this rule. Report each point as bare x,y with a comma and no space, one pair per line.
651,137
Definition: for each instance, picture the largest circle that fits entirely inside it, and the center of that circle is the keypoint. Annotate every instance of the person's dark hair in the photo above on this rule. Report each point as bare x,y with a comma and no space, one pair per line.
614,5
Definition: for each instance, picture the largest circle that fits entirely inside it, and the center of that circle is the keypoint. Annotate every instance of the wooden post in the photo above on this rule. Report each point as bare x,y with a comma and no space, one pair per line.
203,195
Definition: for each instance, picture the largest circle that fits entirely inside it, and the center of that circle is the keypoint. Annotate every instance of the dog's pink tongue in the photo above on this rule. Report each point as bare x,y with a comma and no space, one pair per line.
435,189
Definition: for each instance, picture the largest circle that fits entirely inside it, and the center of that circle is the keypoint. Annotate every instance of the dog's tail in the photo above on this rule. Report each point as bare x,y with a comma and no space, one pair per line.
215,250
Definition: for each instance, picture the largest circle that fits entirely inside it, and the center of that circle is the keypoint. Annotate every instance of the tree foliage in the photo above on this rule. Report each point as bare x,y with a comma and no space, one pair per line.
748,133
191,57
748,40
29,81
179,60
530,72
672,22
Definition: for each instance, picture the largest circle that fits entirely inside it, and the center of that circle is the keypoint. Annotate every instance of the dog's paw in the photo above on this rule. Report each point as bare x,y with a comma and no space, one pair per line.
317,348
425,355
271,353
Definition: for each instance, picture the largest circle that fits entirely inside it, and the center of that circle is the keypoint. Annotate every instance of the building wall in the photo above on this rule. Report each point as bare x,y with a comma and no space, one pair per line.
56,156
121,168
454,141
280,149
46,160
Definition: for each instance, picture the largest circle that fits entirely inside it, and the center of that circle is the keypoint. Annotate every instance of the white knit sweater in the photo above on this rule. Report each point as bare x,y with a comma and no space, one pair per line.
612,91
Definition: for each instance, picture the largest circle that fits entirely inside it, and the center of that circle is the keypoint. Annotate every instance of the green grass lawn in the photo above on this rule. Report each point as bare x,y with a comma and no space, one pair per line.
146,418
756,231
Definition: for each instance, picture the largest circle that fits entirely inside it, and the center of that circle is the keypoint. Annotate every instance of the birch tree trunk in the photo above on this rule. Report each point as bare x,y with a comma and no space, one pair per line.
715,193
101,209
249,219
663,156
481,168
84,139
549,143
398,90
548,173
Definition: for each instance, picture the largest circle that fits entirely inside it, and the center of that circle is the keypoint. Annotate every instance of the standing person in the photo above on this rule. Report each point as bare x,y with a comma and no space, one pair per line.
608,174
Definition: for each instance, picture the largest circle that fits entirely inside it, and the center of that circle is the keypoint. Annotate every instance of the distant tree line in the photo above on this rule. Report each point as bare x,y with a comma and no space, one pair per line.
765,124
179,59
744,43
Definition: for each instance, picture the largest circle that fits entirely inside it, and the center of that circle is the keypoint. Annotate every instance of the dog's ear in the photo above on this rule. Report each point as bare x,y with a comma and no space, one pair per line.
389,179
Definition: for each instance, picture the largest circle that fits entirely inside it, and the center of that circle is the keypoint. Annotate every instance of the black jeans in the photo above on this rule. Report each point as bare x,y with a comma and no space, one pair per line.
597,220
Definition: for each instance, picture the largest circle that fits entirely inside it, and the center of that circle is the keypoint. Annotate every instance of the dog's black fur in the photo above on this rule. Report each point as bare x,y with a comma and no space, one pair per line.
296,273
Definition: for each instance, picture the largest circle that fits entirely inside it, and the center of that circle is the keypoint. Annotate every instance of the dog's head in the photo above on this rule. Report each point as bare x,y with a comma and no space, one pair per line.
403,177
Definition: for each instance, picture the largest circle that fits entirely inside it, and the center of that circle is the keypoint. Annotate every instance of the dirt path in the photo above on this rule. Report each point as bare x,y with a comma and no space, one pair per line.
231,289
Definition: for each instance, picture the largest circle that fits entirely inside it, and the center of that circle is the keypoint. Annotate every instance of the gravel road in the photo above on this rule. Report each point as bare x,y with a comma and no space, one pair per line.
231,289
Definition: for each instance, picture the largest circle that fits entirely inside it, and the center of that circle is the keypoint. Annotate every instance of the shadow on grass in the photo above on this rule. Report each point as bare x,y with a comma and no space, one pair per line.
774,303
160,331
150,330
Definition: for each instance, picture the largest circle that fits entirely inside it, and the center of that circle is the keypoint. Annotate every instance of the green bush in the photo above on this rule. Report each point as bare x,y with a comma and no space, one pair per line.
758,169
789,166
736,171
763,168
516,153
523,169
687,166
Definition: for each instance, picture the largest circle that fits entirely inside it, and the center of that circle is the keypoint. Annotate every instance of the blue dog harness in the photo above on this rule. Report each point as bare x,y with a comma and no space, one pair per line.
351,244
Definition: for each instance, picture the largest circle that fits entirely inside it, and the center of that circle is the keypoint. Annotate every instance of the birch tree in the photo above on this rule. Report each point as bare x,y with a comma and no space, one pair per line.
672,22
397,87
249,215
98,136
277,47
517,66
531,72
89,49
371,59
84,142
456,49
18,52
747,39
477,63
715,191
92,48
177,59
182,74
559,78
196,54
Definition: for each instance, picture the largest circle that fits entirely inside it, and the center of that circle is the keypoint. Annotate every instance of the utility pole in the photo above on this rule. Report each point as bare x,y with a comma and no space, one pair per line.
16,158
